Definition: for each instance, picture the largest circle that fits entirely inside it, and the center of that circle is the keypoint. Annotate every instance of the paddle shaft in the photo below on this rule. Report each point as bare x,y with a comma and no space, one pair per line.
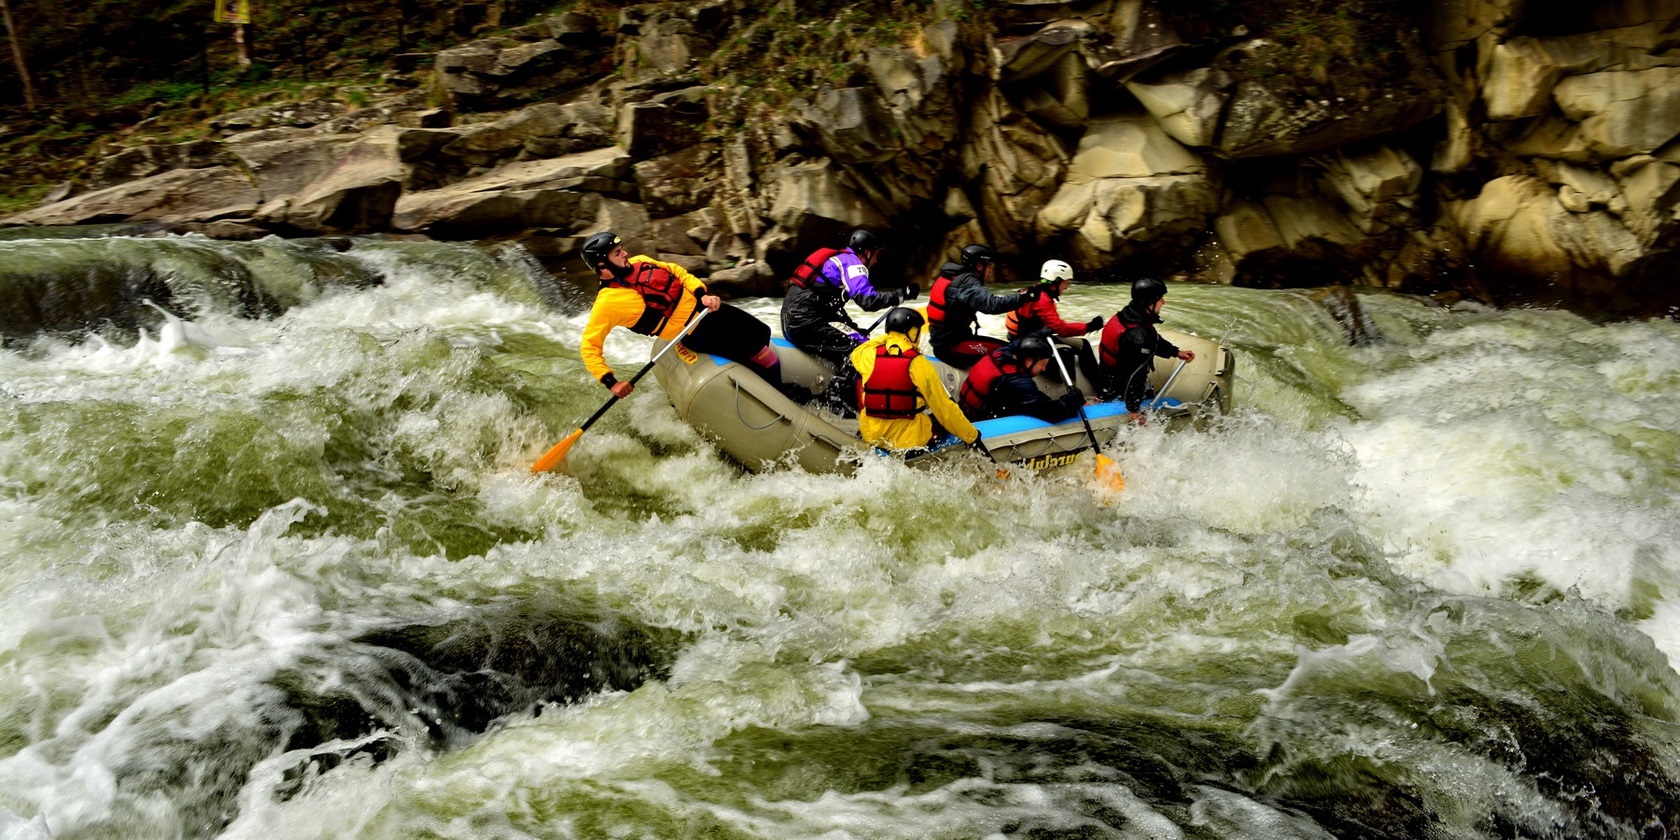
689,327
1155,405
1056,354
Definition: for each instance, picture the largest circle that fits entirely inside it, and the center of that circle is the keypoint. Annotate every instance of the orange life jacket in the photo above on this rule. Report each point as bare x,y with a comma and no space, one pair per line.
977,388
660,291
809,272
1024,320
890,393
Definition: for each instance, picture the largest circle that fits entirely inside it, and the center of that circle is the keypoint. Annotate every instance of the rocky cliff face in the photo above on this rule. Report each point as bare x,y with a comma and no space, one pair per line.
1502,149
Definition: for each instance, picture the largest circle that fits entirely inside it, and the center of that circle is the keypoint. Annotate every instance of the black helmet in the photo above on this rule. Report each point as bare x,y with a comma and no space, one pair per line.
1032,347
863,240
977,256
596,248
903,319
1147,290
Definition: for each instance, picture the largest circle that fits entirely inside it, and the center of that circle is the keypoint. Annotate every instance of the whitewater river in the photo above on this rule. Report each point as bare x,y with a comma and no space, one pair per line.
278,569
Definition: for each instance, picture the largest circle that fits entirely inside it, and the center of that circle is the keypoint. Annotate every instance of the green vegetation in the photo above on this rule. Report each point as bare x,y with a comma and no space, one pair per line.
112,72
1328,43
799,46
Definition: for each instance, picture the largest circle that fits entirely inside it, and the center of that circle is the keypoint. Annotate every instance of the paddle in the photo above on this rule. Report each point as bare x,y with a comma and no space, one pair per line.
1156,404
1107,470
554,456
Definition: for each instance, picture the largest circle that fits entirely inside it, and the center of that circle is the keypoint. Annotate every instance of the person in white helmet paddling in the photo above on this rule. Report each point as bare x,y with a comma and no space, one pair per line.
1041,316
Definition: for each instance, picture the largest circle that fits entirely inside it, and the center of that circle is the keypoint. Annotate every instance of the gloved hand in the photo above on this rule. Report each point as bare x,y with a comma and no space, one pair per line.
1096,324
1075,396
1033,293
911,291
857,337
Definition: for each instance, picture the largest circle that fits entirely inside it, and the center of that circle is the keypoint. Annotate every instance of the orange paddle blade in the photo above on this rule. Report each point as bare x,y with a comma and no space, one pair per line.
553,457
1108,473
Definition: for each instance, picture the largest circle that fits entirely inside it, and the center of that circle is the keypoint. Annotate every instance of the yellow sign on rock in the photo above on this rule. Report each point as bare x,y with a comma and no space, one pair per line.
233,11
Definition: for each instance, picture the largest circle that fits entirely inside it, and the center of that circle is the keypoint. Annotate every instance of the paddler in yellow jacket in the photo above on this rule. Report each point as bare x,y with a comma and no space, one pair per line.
898,386
659,298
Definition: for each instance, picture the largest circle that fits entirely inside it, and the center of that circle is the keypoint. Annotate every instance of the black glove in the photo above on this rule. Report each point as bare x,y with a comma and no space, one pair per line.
1075,396
1096,324
1033,293
911,291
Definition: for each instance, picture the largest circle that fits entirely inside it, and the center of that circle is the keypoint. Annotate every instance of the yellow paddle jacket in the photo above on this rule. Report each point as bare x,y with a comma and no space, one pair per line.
911,432
618,307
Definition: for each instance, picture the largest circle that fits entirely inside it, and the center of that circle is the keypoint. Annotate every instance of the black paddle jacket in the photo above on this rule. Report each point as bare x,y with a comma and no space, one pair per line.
965,296
1139,345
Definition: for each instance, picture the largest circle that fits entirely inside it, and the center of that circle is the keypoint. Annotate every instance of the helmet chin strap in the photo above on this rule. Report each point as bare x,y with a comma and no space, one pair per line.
617,271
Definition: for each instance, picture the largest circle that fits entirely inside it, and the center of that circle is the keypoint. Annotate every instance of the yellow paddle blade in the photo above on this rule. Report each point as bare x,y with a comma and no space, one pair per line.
1108,474
553,457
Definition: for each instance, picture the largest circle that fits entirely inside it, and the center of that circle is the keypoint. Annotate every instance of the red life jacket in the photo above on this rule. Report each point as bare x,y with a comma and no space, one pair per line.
936,300
1109,347
809,272
660,291
890,393
977,388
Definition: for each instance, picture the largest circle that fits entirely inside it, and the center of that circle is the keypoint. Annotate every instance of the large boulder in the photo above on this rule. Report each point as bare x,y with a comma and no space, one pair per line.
284,167
1621,113
1521,73
663,123
680,182
1286,240
1018,167
1520,230
1379,185
851,125
1128,185
561,193
544,130
173,196
1650,191
1134,37
144,161
1251,101
527,65
1188,105
358,195
1020,59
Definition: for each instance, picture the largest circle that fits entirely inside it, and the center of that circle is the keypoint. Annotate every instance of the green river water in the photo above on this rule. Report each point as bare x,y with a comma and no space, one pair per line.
277,569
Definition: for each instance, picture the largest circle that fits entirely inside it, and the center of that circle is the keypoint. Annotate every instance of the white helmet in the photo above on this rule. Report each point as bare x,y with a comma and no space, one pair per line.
1054,271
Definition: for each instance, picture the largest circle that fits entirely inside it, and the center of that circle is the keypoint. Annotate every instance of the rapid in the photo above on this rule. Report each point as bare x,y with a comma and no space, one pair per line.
276,568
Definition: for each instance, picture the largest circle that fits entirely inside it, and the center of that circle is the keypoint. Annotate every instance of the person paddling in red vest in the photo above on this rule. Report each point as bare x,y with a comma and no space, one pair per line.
657,298
1041,316
819,289
1041,313
898,388
1001,385
1130,344
958,295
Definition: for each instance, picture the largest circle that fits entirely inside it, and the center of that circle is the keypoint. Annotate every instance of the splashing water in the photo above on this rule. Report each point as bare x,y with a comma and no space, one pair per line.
290,577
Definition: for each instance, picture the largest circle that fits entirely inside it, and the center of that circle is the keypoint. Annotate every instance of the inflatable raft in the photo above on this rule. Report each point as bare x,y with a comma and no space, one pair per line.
758,426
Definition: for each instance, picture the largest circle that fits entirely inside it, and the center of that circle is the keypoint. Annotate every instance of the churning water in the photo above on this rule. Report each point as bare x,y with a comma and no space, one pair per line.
278,569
